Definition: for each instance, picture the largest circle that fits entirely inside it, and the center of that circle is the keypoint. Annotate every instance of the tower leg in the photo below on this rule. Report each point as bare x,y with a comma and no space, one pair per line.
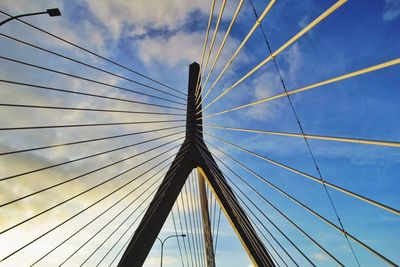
233,210
155,216
206,222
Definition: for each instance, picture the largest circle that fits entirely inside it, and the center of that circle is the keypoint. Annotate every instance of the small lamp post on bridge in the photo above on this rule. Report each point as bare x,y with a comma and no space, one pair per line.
162,244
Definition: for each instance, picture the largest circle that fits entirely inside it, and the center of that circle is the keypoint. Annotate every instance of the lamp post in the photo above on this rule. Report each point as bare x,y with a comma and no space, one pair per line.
163,241
53,12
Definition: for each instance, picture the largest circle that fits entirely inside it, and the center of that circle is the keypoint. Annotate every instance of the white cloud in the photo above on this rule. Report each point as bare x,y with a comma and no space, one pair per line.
183,48
142,15
263,86
319,257
180,48
304,21
391,10
390,219
155,261
294,59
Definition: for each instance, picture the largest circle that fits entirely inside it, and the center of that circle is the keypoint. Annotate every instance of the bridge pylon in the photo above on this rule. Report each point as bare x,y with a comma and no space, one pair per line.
194,154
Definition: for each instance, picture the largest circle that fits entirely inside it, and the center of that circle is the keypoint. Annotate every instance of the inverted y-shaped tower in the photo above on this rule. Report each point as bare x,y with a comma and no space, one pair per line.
194,154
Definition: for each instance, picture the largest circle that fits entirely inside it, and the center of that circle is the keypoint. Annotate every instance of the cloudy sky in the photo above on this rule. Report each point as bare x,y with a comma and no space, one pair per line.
160,39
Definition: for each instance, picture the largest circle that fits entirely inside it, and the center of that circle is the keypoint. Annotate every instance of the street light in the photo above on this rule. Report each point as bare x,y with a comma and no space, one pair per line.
53,12
163,241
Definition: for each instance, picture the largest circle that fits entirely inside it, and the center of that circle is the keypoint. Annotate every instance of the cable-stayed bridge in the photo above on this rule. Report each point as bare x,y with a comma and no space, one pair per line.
182,167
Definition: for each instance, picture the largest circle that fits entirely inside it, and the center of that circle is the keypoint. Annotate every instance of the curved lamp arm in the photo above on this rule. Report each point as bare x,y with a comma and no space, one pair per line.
53,12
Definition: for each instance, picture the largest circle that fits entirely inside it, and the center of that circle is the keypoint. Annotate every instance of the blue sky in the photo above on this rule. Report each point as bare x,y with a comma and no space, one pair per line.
160,39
